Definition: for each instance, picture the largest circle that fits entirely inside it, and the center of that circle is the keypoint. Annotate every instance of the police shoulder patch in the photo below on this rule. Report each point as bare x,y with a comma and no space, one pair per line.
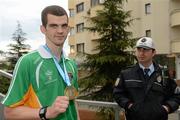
117,81
177,90
159,79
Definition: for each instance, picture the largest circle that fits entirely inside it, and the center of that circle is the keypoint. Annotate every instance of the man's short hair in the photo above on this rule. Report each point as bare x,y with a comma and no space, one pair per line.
54,10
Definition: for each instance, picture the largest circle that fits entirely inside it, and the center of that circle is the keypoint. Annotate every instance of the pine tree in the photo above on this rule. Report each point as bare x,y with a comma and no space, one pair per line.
18,48
4,82
112,52
1,52
3,65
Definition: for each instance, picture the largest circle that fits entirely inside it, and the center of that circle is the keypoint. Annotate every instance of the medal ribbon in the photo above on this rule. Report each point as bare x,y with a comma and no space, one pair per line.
60,70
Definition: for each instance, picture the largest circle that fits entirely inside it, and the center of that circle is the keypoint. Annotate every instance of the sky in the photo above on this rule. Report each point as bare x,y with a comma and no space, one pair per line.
28,13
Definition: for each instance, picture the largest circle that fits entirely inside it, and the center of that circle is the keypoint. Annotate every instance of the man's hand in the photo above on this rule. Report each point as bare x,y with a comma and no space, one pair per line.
59,106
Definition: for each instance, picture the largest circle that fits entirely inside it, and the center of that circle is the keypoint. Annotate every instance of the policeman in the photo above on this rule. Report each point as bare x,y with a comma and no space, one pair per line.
141,89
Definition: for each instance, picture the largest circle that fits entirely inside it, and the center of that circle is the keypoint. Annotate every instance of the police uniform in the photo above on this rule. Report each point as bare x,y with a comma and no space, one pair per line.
36,82
147,98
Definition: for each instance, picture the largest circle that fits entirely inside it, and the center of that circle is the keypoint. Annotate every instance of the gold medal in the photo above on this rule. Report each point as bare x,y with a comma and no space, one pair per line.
71,92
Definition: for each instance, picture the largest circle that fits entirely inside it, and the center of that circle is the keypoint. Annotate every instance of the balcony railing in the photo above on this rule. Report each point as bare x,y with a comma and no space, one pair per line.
175,18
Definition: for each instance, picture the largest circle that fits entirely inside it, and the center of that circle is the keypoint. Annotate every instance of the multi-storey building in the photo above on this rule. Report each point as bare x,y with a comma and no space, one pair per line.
159,19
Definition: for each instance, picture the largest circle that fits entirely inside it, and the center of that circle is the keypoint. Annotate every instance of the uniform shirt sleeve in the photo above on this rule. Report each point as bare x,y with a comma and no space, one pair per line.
19,85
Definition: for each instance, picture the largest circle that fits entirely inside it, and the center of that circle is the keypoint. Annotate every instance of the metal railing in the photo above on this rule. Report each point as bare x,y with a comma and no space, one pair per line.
80,102
113,105
5,74
1,108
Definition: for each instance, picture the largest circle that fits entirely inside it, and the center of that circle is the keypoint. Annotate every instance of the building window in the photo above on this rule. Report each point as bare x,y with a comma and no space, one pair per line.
80,48
148,33
72,31
71,12
94,2
80,27
80,7
148,8
72,48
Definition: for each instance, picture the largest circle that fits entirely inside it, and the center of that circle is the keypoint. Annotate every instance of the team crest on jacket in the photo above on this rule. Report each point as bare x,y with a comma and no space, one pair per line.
117,81
49,74
159,79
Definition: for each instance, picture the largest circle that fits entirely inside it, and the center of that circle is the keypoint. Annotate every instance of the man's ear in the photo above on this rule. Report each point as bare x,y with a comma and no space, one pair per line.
154,52
68,29
43,29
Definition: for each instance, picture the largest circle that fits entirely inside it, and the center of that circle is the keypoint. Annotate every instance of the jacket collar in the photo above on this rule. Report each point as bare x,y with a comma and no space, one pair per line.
157,67
45,54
